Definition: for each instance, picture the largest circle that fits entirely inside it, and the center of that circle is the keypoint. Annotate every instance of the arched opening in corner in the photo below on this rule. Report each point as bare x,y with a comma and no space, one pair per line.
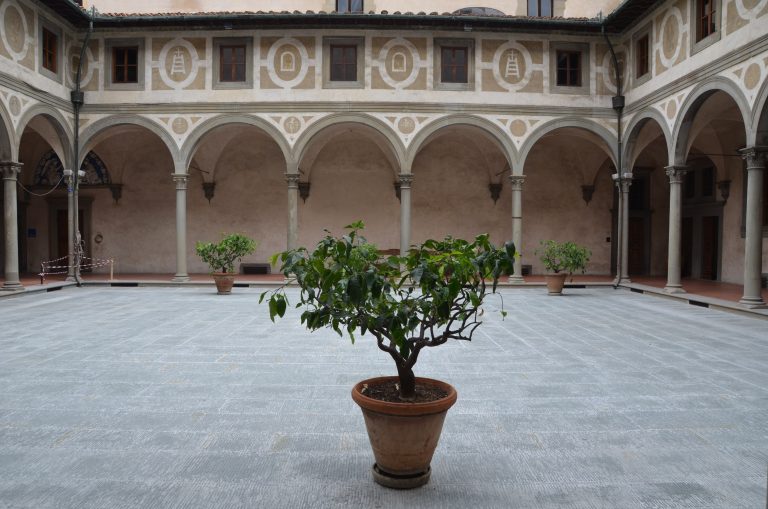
237,185
569,195
461,186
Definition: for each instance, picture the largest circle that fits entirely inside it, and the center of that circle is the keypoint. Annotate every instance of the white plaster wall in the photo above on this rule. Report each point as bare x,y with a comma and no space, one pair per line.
450,193
553,207
350,180
250,198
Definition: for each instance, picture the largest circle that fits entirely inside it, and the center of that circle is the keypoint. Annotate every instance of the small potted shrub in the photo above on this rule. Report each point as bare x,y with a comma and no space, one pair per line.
406,303
221,256
561,260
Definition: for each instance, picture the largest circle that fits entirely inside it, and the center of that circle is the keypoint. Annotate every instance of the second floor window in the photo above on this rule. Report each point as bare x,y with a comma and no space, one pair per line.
50,46
349,5
568,68
454,64
540,8
343,62
125,64
642,56
705,16
232,63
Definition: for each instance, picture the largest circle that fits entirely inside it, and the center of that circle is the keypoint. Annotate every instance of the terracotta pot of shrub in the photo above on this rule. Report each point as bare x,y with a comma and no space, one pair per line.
555,283
224,282
221,257
407,303
561,260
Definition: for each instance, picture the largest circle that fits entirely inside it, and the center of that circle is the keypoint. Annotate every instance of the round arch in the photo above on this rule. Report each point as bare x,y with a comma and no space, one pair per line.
492,131
606,136
692,104
8,145
758,135
195,138
390,145
59,125
94,133
635,126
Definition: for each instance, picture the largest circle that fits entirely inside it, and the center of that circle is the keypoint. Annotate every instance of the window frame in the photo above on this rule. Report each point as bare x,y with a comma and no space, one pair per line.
644,33
349,10
699,42
584,87
222,42
538,14
55,74
439,45
359,44
109,54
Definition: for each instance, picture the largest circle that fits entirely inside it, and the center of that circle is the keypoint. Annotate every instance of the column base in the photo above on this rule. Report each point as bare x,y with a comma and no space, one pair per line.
10,286
753,302
674,289
180,278
622,281
516,280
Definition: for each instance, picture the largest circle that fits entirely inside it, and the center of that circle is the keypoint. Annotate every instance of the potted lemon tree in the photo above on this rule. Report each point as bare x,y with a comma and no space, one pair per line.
561,260
405,303
221,256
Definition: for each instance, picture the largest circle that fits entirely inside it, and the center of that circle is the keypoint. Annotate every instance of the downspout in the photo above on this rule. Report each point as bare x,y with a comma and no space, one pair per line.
77,97
618,106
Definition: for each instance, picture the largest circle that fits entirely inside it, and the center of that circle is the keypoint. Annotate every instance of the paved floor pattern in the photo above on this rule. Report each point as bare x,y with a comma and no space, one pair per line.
179,398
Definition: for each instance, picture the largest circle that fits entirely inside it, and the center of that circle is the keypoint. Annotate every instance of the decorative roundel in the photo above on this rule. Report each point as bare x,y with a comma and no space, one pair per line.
73,58
14,105
747,12
179,125
752,76
14,30
609,75
672,37
292,125
288,62
399,63
406,125
49,170
179,63
518,128
512,66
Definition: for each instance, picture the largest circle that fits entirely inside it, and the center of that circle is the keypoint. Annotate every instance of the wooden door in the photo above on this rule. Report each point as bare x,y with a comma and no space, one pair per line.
709,247
636,253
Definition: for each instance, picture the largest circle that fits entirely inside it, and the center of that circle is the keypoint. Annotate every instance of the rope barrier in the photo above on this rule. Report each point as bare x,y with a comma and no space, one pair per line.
48,267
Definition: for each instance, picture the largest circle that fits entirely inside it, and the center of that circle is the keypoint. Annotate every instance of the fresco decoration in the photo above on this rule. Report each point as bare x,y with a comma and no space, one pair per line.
750,76
17,37
179,126
406,126
739,13
89,75
399,63
177,64
671,37
512,66
289,62
606,72
291,125
49,170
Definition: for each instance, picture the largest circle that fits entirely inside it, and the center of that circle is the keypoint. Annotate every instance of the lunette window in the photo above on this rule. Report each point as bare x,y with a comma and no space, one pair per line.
454,64
232,63
343,62
125,64
568,68
50,48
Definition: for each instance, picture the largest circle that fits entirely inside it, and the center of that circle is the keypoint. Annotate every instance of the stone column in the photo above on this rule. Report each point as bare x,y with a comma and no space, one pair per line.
753,242
293,209
622,183
676,175
181,227
71,229
10,171
405,212
517,225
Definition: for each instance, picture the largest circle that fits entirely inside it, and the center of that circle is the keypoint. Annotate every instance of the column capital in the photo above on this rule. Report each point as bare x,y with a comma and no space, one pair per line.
405,180
517,182
181,181
293,179
676,173
10,169
755,156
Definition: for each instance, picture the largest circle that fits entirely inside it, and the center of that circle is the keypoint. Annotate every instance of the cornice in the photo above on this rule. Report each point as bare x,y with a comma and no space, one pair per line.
28,90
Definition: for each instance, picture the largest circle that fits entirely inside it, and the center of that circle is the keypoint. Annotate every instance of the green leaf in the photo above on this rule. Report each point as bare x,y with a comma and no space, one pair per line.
280,306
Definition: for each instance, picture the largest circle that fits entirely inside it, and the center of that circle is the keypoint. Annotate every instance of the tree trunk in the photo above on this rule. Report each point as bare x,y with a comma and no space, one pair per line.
407,383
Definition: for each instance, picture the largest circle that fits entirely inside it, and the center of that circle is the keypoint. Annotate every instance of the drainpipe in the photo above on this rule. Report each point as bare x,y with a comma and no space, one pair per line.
77,97
618,106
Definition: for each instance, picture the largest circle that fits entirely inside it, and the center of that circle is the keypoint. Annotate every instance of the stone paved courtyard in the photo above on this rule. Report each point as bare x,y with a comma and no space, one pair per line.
176,397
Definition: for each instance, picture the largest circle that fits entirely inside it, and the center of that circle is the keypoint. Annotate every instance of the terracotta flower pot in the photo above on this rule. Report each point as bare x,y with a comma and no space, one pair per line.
555,283
403,435
224,282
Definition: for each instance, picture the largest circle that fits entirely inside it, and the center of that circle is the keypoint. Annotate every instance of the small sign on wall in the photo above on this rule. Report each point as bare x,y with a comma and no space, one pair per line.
31,233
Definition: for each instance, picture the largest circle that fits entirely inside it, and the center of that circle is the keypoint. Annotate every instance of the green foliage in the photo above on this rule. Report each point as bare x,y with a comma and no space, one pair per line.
221,256
409,302
568,257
